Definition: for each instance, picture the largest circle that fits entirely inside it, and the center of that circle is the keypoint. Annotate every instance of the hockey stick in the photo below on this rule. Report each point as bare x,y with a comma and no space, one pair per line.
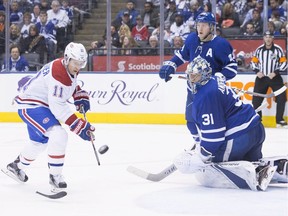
273,94
92,142
151,176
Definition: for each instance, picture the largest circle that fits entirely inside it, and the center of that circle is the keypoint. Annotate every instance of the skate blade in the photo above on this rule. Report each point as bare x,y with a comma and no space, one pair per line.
11,175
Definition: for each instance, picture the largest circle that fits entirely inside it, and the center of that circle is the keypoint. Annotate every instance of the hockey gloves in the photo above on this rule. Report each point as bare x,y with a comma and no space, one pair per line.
167,69
81,101
83,128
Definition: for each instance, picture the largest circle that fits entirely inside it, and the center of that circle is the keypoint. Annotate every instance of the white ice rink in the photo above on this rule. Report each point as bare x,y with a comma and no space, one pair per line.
109,190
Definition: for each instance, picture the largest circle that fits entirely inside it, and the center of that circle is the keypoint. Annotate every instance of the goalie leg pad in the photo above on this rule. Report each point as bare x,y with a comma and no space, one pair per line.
233,174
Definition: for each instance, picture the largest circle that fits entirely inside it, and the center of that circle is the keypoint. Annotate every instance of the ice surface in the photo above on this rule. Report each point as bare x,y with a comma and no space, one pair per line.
109,190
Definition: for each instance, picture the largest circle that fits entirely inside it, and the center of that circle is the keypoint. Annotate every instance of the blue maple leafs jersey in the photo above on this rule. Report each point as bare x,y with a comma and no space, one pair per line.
218,52
220,115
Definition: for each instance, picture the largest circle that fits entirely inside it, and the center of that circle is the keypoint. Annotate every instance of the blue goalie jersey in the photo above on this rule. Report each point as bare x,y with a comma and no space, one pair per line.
220,115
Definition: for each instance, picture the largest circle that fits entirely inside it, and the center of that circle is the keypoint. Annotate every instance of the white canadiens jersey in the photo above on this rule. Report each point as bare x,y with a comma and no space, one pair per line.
51,87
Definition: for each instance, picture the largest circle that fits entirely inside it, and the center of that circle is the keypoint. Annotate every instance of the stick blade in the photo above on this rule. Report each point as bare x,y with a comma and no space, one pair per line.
151,176
58,195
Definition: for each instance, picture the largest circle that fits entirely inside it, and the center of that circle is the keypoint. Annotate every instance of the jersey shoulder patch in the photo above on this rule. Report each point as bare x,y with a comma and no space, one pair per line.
59,73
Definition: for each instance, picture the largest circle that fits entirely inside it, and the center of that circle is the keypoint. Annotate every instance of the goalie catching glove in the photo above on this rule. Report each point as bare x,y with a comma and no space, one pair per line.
81,100
193,160
83,128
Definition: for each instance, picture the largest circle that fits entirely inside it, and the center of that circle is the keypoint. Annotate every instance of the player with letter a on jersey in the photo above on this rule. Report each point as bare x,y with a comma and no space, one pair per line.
214,49
229,153
42,105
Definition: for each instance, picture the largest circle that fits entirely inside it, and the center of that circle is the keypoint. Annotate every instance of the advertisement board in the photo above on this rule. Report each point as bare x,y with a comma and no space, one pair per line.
131,98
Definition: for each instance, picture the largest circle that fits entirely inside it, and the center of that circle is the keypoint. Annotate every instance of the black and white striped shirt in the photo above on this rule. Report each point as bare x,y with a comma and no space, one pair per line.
269,60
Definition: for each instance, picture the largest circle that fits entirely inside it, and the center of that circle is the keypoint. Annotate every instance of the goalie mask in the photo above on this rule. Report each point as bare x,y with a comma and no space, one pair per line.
77,52
198,73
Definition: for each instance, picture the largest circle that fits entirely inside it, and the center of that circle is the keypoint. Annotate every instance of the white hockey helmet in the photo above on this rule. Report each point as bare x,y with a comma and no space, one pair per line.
75,51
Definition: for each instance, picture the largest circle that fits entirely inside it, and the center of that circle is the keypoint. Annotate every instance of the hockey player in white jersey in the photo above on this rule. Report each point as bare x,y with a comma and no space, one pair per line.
42,105
229,153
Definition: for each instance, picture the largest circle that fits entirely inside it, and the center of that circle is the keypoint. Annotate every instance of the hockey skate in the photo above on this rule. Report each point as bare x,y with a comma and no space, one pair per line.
281,124
264,176
281,174
57,183
14,172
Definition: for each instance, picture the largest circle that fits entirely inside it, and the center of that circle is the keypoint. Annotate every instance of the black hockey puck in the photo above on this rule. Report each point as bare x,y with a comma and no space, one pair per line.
103,149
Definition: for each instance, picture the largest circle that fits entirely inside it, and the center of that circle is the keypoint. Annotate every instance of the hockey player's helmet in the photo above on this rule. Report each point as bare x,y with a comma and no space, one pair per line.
198,73
206,17
77,52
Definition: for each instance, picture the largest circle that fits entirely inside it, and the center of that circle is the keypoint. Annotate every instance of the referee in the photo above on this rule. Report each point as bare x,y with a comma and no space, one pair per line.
268,60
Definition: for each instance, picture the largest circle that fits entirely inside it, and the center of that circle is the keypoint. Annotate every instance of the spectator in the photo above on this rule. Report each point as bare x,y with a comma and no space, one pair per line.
133,13
271,27
249,14
257,21
267,62
114,37
179,28
125,20
101,48
26,6
47,29
70,10
182,5
177,42
17,63
166,33
195,10
229,17
275,6
60,20
153,46
140,31
2,34
275,18
34,43
169,15
35,14
44,5
250,30
284,29
124,30
15,34
26,25
129,46
16,16
150,16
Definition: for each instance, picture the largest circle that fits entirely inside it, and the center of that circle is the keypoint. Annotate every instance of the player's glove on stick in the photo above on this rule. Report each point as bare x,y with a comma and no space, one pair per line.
83,128
81,101
167,69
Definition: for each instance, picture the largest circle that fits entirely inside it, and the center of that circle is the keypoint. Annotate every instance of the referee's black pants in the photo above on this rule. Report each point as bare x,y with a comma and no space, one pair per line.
261,86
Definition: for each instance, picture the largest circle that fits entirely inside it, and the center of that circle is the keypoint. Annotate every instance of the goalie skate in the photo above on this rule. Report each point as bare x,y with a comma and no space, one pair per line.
265,175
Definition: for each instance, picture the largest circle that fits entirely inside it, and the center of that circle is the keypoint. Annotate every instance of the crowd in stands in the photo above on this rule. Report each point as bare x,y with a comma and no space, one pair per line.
138,24
41,27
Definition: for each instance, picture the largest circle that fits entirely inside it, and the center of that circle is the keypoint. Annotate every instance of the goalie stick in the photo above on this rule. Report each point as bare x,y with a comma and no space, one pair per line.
58,195
151,176
273,94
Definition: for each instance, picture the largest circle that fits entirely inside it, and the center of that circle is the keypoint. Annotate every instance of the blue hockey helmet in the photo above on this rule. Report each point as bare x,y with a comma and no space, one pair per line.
206,17
198,73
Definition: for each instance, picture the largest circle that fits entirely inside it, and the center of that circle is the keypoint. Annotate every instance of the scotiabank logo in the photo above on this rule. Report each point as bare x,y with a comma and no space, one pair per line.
143,67
121,66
